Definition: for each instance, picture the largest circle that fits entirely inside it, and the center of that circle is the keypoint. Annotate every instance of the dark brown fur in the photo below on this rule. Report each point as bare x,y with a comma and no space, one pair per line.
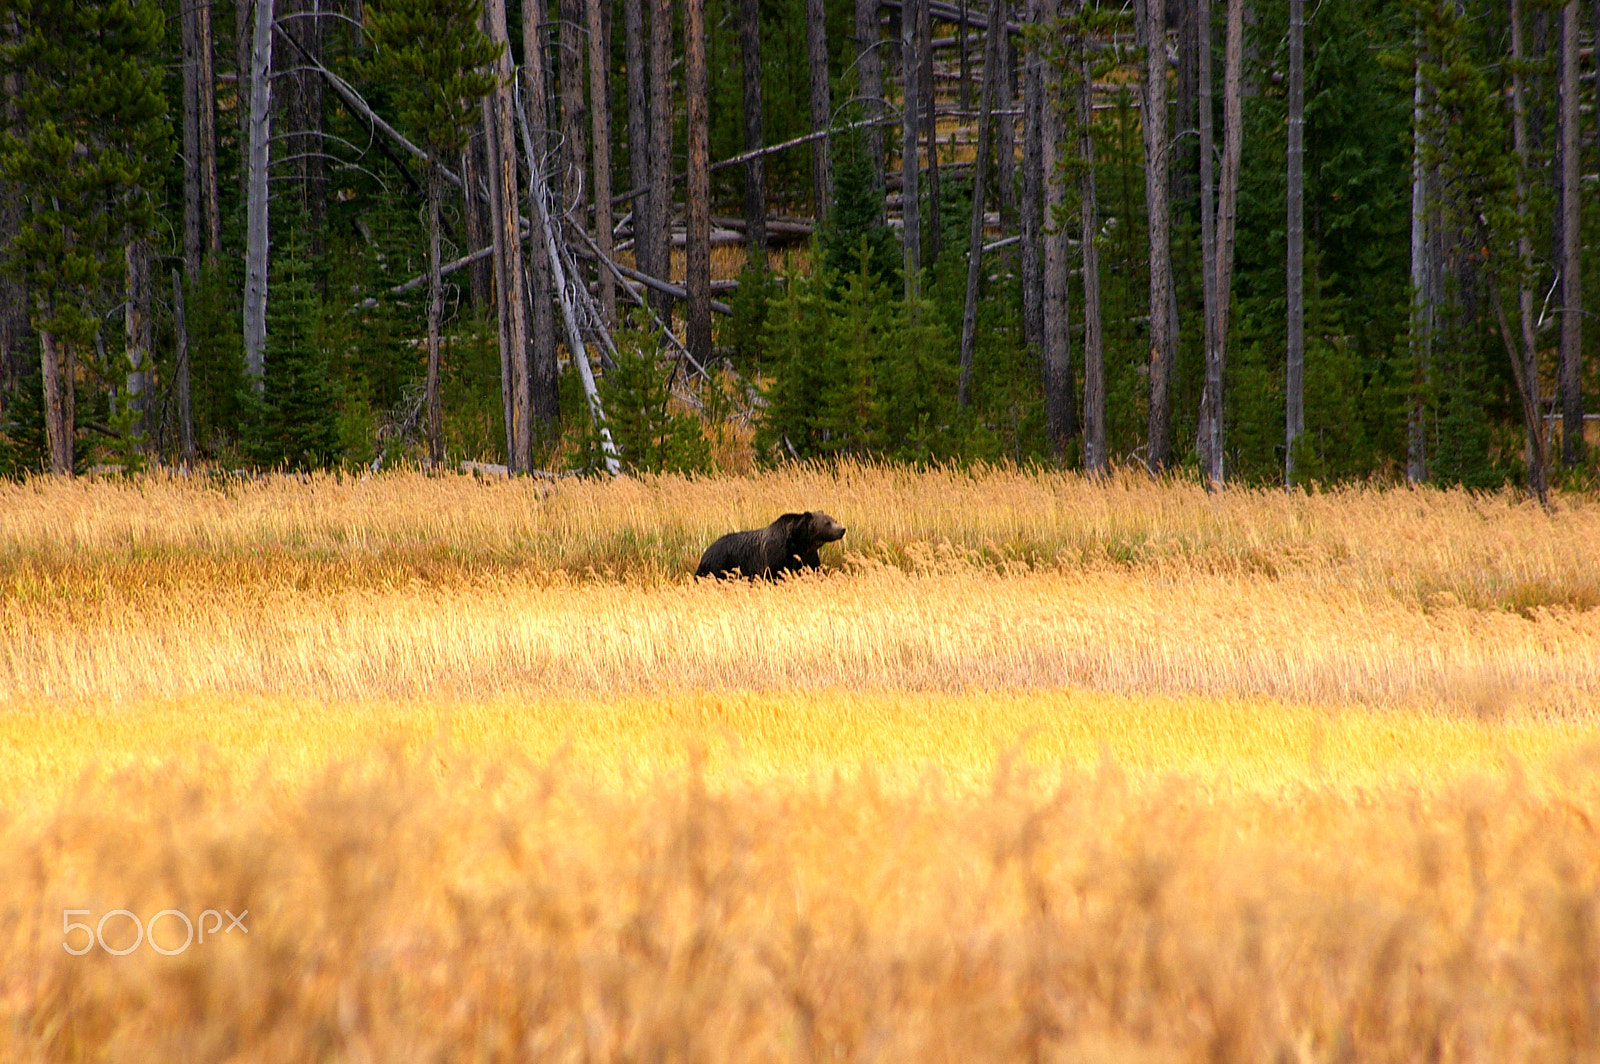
787,545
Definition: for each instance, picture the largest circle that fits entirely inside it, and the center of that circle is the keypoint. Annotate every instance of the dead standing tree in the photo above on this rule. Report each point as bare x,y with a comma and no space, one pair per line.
697,245
499,113
542,371
1151,16
821,109
755,185
994,40
600,128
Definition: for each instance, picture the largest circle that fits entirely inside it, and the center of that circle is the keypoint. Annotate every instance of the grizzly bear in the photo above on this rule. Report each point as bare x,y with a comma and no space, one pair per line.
787,545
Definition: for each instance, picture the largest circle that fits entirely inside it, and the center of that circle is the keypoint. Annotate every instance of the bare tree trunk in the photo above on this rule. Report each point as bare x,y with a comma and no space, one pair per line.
1294,417
13,295
993,41
194,240
1185,133
301,101
697,246
964,91
755,184
1421,291
513,301
435,316
821,108
600,133
1526,360
1153,123
1005,137
869,70
503,306
480,227
59,419
1211,446
207,79
1094,373
638,122
573,183
911,228
1572,442
1032,186
243,43
927,91
180,373
543,378
659,230
137,333
256,250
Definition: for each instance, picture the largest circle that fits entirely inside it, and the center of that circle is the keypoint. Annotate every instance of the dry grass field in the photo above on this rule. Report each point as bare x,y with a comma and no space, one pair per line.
1037,769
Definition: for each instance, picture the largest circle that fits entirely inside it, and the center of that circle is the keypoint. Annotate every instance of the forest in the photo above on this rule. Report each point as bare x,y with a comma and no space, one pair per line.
1262,243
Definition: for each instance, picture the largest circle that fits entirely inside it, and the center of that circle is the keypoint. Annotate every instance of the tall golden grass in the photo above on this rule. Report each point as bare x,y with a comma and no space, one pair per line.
1039,768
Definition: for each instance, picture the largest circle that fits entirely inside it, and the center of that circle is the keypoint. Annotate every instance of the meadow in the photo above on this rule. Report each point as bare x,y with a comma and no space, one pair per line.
1038,768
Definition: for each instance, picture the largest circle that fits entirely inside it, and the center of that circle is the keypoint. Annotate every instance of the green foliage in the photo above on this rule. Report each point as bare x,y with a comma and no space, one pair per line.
649,435
83,152
855,218
433,56
293,422
23,448
745,333
857,373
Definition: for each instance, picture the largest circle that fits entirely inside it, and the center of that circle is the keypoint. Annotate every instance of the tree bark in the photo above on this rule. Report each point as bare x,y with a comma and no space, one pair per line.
1153,123
502,306
911,227
928,95
243,44
1421,302
193,205
301,100
573,182
1032,213
1211,443
137,334
1525,361
659,231
1294,397
755,184
435,316
600,132
697,247
1005,137
869,70
1571,369
963,90
1185,133
256,231
513,301
480,226
821,109
638,121
1094,374
57,380
543,377
181,373
992,42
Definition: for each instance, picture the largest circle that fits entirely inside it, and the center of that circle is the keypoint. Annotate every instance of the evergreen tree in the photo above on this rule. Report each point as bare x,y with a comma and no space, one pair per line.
434,54
294,420
83,153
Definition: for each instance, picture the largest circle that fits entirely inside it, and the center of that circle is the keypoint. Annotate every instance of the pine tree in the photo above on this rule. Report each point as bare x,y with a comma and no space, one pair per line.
433,53
293,422
89,129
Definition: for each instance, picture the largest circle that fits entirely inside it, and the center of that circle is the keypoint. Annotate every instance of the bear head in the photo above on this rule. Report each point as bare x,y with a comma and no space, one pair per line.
807,531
